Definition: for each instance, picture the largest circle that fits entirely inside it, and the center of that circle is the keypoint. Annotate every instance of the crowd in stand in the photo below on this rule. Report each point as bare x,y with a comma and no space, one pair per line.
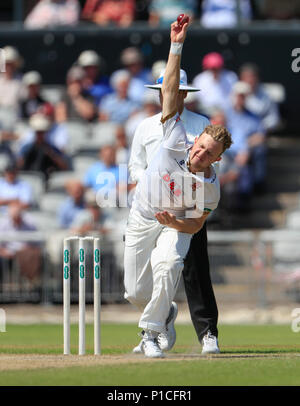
35,136
122,13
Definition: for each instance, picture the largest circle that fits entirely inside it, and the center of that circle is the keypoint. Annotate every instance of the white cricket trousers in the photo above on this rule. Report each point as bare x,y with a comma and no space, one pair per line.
153,262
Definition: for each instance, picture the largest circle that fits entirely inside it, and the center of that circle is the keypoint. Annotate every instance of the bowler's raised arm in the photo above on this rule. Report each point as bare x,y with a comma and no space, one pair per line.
172,74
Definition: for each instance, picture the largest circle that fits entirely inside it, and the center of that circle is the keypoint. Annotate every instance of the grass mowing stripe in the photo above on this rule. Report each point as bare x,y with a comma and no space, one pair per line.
232,369
205,372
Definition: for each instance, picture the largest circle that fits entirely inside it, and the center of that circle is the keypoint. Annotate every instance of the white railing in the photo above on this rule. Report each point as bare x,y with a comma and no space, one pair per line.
260,267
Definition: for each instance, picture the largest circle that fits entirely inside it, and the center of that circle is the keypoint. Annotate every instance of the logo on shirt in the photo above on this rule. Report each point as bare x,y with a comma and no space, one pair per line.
196,185
174,189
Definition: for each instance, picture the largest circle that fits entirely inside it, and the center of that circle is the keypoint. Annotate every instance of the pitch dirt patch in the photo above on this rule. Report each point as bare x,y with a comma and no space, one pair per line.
28,362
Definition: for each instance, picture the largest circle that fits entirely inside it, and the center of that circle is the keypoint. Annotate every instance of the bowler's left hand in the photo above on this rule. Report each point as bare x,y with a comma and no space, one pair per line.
166,218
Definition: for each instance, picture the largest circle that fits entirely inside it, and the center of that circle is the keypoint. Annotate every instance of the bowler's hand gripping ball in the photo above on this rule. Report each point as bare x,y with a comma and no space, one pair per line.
182,19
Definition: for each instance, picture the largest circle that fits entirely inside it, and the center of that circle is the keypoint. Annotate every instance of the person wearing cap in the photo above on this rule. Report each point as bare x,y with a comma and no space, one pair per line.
94,81
14,190
133,61
76,104
249,148
215,83
10,79
40,155
32,100
162,219
57,133
117,106
151,107
198,286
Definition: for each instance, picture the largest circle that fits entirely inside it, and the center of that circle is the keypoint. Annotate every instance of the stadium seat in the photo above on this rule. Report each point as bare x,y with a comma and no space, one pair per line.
8,118
102,134
293,220
36,181
285,248
50,202
42,220
57,181
78,136
4,161
52,93
83,163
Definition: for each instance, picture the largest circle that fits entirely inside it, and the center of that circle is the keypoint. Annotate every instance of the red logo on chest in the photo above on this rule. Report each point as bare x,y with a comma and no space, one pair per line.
174,190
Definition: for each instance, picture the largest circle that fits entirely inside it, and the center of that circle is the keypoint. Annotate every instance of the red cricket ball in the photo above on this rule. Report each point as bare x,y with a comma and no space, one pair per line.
182,19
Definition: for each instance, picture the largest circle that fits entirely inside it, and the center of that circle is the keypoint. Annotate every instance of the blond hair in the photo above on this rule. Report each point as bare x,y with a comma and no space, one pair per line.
219,133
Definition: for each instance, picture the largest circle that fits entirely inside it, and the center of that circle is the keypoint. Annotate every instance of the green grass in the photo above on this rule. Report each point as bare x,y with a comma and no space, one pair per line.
251,355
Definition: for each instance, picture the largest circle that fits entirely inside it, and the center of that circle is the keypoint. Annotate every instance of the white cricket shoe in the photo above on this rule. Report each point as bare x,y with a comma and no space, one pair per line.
166,340
150,345
138,349
210,344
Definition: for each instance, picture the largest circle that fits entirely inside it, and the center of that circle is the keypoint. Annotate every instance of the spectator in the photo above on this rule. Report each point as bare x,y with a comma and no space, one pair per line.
225,13
53,13
94,81
11,92
28,255
14,190
92,218
118,107
258,102
151,106
157,68
40,155
249,149
121,145
32,100
215,83
57,133
7,136
10,80
104,12
132,61
76,104
229,173
105,176
164,12
72,205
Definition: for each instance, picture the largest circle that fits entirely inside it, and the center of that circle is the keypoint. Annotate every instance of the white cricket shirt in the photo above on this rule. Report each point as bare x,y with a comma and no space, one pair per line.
149,135
167,183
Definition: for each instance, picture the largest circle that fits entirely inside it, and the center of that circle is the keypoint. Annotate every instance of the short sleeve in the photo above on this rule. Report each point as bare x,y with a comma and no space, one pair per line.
174,133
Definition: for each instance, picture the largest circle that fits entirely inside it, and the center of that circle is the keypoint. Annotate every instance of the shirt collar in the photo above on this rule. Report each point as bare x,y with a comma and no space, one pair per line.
183,115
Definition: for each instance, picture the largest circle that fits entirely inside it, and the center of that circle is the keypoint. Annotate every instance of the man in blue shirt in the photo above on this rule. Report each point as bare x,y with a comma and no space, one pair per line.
132,60
118,107
105,177
96,84
14,190
248,149
72,205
